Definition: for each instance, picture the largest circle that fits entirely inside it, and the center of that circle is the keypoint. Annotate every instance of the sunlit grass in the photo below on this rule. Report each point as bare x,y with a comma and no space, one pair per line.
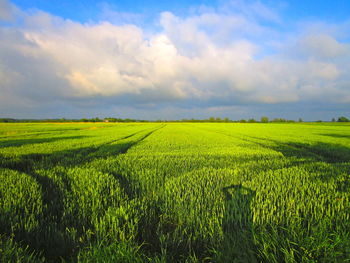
175,192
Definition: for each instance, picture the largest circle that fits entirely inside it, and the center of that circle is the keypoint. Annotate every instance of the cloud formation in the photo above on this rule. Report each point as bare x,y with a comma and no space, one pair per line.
211,58
6,11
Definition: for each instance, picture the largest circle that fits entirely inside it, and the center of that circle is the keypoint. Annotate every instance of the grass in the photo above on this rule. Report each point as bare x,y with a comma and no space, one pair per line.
180,192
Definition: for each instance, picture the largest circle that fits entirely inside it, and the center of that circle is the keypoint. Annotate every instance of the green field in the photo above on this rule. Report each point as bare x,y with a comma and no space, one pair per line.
174,192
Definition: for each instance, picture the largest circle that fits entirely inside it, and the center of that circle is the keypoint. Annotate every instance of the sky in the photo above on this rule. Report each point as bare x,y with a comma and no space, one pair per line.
175,59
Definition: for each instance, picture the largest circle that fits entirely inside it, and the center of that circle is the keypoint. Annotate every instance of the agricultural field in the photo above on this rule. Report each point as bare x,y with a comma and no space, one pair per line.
175,192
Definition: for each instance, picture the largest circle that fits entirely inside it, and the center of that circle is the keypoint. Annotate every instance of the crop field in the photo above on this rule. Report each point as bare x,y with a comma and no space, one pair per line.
175,192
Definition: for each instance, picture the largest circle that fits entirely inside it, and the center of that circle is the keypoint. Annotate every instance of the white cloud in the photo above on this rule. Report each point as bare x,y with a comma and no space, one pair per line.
206,59
322,46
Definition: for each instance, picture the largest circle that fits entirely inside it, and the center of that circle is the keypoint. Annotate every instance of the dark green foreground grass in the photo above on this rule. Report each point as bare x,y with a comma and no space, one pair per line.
174,193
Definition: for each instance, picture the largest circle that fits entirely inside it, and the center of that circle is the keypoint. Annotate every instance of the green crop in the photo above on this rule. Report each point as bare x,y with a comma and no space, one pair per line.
175,192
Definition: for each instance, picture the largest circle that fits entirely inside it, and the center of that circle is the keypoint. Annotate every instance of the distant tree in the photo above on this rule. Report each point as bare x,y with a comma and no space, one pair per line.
96,120
243,121
300,120
333,119
278,120
211,119
343,119
218,119
251,120
7,120
264,119
226,119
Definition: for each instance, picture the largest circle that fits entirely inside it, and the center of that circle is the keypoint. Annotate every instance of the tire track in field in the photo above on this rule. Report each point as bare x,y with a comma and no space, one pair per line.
227,135
133,134
123,147
298,150
51,192
124,182
50,225
243,137
134,143
27,163
49,222
317,152
52,205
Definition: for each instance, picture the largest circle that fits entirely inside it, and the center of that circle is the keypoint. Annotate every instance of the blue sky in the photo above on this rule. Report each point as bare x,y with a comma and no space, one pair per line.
85,10
175,59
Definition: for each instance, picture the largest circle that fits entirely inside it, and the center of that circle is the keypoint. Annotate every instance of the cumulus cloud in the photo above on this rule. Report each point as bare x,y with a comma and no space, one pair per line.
322,46
208,59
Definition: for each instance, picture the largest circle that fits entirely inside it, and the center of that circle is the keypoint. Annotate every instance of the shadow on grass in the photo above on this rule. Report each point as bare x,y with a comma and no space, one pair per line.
314,151
51,237
324,152
336,156
71,157
335,135
237,225
21,142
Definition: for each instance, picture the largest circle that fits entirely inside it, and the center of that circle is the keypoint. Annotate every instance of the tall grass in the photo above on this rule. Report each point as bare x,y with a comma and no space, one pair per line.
174,193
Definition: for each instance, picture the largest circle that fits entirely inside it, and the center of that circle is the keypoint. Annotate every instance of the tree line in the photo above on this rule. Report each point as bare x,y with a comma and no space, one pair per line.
263,119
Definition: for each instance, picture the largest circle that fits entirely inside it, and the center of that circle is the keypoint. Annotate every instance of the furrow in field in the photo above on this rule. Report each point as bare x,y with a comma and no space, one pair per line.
180,193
